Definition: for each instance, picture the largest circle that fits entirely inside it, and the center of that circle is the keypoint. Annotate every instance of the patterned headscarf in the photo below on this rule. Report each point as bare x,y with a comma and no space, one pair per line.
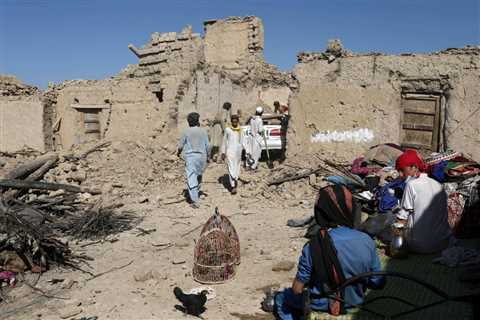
334,207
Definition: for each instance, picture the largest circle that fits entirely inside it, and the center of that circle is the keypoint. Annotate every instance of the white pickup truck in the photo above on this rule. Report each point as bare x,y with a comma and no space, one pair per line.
273,134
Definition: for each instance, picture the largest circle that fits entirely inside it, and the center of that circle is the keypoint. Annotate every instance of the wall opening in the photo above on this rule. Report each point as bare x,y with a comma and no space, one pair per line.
421,121
159,95
91,122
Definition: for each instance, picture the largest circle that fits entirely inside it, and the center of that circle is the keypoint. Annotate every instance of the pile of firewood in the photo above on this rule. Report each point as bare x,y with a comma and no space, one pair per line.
323,167
37,217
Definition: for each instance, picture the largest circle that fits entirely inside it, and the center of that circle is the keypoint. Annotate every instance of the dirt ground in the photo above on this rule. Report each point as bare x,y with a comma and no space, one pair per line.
136,272
265,241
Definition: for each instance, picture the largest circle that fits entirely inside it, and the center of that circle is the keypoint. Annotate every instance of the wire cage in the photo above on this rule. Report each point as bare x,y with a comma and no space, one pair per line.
217,251
213,259
218,221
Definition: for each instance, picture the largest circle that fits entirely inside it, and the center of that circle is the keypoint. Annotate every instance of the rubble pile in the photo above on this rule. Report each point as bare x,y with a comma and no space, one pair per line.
261,74
128,169
334,50
38,217
473,50
11,86
292,183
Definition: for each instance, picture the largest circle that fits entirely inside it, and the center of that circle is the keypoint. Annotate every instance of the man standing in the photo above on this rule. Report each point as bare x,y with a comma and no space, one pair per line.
232,150
423,209
284,119
256,138
218,128
276,107
194,145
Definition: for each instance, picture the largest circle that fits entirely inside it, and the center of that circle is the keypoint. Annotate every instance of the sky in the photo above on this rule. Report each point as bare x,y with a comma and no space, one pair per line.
57,40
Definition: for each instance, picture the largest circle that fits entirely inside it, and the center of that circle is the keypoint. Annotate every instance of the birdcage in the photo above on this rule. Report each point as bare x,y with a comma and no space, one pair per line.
217,251
218,221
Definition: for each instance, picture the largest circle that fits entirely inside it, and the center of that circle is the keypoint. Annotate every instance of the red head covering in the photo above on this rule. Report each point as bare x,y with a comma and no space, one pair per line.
410,158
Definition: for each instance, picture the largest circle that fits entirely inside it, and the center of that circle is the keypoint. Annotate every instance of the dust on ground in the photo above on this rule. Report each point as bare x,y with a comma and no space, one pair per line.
148,180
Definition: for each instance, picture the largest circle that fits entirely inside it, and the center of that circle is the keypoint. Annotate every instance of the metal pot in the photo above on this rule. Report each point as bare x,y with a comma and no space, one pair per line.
398,247
250,161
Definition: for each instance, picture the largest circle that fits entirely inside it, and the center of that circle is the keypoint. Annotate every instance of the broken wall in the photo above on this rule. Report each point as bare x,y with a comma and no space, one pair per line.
126,110
341,103
200,74
209,89
234,42
25,120
345,106
166,63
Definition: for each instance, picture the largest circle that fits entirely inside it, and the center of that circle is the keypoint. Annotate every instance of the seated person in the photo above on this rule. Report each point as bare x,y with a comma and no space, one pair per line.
336,253
423,209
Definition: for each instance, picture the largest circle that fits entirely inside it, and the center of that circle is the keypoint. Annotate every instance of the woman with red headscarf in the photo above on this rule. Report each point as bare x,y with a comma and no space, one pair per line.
423,209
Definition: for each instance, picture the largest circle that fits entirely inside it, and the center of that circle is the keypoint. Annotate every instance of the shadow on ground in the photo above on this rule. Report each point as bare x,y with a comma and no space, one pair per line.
422,268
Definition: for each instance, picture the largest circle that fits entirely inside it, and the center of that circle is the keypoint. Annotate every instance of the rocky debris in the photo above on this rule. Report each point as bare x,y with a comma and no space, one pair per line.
112,169
11,86
128,72
470,50
35,221
335,48
156,169
261,74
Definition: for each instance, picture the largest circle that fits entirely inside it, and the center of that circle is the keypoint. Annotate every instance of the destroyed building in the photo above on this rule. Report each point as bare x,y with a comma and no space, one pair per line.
430,101
340,102
25,116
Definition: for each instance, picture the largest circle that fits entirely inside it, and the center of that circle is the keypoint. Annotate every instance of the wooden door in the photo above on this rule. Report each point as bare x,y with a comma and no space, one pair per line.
91,120
421,121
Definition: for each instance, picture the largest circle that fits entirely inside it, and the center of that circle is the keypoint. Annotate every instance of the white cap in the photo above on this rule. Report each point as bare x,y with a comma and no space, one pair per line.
259,110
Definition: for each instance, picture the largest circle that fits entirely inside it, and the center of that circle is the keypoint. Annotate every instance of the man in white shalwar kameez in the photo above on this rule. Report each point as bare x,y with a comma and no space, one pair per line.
255,139
218,129
231,151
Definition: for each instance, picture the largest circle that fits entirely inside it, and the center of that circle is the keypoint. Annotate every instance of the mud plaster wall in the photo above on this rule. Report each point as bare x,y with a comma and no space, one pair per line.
200,74
231,42
22,125
166,63
132,111
207,91
365,92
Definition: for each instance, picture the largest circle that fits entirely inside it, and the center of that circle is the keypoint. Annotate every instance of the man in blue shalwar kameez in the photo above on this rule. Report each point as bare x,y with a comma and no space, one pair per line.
194,146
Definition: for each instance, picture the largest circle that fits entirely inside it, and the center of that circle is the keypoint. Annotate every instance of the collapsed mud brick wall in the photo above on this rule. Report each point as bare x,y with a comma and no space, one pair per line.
173,77
209,89
25,117
341,103
234,43
115,109
346,103
201,73
234,70
167,63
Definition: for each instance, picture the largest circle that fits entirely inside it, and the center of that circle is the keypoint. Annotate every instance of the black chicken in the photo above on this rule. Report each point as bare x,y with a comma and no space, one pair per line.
193,304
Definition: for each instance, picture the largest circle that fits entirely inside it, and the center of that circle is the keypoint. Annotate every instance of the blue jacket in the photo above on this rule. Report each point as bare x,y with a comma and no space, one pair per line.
356,253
